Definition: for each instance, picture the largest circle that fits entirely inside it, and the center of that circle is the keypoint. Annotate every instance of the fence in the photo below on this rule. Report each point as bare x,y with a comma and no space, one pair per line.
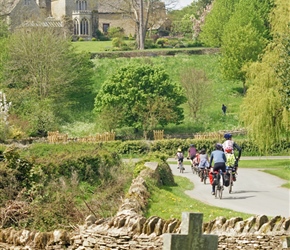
210,135
158,134
56,137
107,136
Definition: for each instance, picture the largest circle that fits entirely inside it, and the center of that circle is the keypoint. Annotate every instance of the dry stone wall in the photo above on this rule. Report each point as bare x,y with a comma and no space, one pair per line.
130,230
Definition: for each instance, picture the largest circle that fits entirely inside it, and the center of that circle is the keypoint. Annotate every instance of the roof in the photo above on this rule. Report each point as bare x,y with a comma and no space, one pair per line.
113,6
48,22
6,6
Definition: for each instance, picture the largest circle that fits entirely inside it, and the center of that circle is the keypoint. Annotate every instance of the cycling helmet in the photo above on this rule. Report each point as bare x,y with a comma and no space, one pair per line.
219,146
227,136
179,149
191,145
202,151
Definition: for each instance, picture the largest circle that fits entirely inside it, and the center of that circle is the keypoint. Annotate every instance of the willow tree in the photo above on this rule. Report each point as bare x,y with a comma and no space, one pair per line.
264,114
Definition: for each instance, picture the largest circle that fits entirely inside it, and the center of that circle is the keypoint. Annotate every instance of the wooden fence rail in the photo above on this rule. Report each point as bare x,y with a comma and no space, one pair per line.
158,134
56,137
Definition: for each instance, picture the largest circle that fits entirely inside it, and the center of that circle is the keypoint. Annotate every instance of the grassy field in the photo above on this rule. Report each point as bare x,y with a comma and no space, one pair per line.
92,46
210,118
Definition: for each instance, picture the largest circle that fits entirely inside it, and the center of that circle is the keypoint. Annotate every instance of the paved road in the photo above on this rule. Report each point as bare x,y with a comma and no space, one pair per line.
254,192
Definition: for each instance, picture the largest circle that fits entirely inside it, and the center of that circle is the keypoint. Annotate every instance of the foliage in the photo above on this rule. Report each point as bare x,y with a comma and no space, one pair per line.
115,32
215,22
268,121
244,37
141,93
197,91
38,81
59,190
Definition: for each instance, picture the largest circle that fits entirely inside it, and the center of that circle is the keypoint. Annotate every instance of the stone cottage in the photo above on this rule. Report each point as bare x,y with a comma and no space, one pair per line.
83,17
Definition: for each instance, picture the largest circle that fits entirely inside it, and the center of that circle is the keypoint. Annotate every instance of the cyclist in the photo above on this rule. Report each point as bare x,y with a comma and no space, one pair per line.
179,156
191,153
229,147
203,160
219,158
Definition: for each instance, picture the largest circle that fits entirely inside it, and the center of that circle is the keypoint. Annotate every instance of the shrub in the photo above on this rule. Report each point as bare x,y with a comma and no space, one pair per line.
115,32
161,41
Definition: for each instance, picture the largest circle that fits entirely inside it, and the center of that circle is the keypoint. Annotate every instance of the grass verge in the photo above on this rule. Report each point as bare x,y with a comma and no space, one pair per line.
170,202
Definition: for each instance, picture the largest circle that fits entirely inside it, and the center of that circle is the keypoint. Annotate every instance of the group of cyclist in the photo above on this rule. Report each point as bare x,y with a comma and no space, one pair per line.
222,156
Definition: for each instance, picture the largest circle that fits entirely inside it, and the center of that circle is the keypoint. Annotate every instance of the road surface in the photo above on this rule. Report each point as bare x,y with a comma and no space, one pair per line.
254,192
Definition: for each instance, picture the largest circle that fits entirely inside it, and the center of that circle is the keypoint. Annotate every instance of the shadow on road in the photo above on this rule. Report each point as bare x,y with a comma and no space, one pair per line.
238,198
248,191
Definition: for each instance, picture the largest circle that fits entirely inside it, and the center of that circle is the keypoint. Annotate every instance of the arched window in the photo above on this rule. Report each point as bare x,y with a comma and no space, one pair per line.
84,27
81,5
76,27
84,5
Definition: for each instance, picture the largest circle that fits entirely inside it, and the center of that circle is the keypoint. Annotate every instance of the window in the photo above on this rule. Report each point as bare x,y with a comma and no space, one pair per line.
26,2
84,27
106,26
76,27
81,5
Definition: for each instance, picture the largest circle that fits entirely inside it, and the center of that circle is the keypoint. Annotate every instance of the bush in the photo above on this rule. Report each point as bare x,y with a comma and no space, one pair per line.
115,32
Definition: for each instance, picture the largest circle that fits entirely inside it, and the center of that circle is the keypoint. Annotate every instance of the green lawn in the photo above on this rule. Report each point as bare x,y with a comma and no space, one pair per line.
92,46
169,202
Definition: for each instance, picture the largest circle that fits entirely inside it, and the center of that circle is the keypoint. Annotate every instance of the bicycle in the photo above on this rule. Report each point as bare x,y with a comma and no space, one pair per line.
219,184
232,171
203,175
180,166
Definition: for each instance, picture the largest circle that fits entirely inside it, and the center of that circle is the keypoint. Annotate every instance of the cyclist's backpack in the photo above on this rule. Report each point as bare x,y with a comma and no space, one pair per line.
228,146
230,160
227,180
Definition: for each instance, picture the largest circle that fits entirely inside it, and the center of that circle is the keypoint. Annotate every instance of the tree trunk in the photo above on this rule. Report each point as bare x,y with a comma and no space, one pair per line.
141,27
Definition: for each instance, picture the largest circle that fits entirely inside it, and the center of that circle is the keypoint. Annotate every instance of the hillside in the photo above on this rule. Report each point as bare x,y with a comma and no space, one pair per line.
210,118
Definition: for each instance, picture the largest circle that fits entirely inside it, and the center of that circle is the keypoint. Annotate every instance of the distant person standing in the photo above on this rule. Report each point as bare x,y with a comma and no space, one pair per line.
224,109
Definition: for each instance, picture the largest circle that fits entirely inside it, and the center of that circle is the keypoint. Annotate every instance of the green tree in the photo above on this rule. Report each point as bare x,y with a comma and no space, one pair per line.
4,33
244,38
195,84
143,96
213,28
42,72
263,112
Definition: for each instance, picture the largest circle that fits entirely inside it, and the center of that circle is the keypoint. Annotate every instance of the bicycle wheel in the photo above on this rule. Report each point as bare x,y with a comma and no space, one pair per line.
192,169
221,187
204,176
231,182
181,167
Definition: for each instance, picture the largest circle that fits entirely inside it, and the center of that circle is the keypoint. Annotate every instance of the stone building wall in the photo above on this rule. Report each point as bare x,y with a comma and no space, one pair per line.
130,230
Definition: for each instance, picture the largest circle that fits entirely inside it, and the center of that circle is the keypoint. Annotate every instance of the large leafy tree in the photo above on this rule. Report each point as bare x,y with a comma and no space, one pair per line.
244,37
44,78
213,28
263,111
143,96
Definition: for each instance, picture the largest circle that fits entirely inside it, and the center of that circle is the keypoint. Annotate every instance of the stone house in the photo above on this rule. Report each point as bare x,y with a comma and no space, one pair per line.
82,17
